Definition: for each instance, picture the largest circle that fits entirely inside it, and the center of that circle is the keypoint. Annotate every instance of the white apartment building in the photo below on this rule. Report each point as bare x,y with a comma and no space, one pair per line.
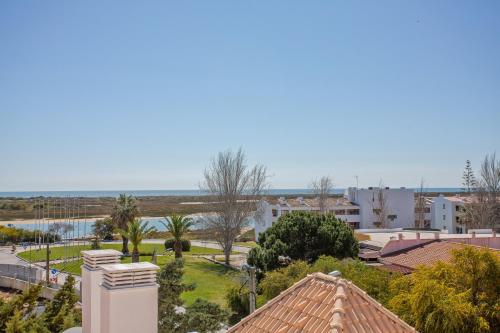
445,214
399,202
356,208
268,212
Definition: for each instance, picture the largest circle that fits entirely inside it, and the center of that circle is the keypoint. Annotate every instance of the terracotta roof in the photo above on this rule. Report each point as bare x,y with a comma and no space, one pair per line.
322,303
425,254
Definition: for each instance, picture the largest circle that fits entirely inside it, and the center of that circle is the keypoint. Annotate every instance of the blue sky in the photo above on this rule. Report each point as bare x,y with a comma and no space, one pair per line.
140,95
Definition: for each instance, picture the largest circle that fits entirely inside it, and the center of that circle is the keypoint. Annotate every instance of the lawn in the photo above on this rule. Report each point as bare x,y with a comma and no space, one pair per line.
247,244
211,280
62,252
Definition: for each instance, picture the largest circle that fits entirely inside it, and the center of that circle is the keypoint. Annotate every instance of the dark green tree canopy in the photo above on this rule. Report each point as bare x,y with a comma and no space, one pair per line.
304,236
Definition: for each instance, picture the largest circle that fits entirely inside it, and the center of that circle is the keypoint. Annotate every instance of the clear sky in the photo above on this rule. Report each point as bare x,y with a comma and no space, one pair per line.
141,94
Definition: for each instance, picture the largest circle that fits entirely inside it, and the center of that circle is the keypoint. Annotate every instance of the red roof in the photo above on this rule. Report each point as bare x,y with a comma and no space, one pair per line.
322,303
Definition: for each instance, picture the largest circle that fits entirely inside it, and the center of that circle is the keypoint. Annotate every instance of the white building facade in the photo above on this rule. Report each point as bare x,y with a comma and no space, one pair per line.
399,206
445,214
357,208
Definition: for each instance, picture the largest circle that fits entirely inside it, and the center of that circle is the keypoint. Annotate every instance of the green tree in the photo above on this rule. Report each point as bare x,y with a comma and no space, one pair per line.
62,307
124,211
178,225
237,299
460,296
468,179
23,304
169,296
103,228
303,236
136,232
203,316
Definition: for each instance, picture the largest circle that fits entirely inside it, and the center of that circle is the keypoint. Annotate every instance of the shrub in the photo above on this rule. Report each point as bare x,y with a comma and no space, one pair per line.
186,244
237,299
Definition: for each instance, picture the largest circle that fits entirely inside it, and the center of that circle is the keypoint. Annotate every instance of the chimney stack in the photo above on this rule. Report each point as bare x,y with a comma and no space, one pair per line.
129,298
91,279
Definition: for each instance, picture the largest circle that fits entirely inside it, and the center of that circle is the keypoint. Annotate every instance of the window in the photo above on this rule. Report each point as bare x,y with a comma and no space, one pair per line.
275,212
444,217
457,219
444,206
354,225
392,217
353,212
457,208
339,212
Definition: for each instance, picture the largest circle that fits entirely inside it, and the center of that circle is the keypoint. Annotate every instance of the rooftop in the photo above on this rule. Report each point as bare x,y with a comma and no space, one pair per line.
322,303
338,202
428,253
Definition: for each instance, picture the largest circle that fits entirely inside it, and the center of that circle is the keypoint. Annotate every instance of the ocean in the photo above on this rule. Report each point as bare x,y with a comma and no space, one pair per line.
144,193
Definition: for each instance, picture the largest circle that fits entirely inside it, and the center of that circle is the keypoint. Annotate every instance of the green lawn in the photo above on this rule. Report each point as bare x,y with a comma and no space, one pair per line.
212,280
61,252
247,244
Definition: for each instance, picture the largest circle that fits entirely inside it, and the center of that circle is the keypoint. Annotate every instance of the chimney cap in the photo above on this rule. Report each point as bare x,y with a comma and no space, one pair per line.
101,253
132,267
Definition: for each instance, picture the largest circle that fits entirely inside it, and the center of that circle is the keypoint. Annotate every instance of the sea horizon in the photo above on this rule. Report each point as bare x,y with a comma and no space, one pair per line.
149,193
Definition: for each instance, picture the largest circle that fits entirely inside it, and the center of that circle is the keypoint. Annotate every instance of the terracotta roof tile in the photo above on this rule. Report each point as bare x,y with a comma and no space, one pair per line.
321,303
407,260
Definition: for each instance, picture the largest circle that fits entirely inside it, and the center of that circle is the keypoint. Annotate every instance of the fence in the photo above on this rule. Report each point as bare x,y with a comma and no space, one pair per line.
20,272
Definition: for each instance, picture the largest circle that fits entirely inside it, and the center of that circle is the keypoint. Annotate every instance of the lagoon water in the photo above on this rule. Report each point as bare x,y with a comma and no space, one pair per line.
142,193
85,228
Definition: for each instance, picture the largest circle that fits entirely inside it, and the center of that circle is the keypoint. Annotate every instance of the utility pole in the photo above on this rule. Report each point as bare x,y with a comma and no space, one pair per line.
47,268
251,273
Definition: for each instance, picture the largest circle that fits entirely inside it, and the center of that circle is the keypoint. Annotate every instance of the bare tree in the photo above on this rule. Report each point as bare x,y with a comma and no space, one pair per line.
322,189
484,209
380,207
479,213
237,190
490,174
420,207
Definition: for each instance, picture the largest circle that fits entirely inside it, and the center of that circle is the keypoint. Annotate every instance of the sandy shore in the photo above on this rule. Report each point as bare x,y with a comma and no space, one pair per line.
33,221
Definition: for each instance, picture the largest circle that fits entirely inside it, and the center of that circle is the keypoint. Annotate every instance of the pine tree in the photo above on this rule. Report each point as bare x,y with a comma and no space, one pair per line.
468,179
62,306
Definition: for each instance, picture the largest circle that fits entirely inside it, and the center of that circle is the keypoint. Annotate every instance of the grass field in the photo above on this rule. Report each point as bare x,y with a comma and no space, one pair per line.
61,252
211,280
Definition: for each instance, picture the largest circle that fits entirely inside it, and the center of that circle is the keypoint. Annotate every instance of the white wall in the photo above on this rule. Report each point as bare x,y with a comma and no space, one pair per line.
444,214
400,202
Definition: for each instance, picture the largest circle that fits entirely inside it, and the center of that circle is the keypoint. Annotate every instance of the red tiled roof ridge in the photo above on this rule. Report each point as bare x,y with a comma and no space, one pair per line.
452,240
274,300
337,321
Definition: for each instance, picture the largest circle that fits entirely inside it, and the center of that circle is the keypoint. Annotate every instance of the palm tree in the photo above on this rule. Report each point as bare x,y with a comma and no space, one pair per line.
136,231
177,225
124,211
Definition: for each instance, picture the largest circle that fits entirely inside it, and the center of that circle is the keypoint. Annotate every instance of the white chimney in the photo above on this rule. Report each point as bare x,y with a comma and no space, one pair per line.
129,298
91,279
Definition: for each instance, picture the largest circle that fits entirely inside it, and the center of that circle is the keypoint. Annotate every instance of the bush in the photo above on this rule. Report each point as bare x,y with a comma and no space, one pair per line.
237,299
186,244
303,236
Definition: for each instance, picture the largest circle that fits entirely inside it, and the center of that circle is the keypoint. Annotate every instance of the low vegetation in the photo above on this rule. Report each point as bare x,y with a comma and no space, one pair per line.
455,297
19,315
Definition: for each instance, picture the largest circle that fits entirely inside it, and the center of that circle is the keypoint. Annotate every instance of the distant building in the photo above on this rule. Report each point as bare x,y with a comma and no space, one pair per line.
322,303
400,204
270,211
357,208
445,214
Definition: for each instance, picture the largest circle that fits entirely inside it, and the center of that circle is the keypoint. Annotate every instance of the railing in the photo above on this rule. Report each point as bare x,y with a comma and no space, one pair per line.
20,272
